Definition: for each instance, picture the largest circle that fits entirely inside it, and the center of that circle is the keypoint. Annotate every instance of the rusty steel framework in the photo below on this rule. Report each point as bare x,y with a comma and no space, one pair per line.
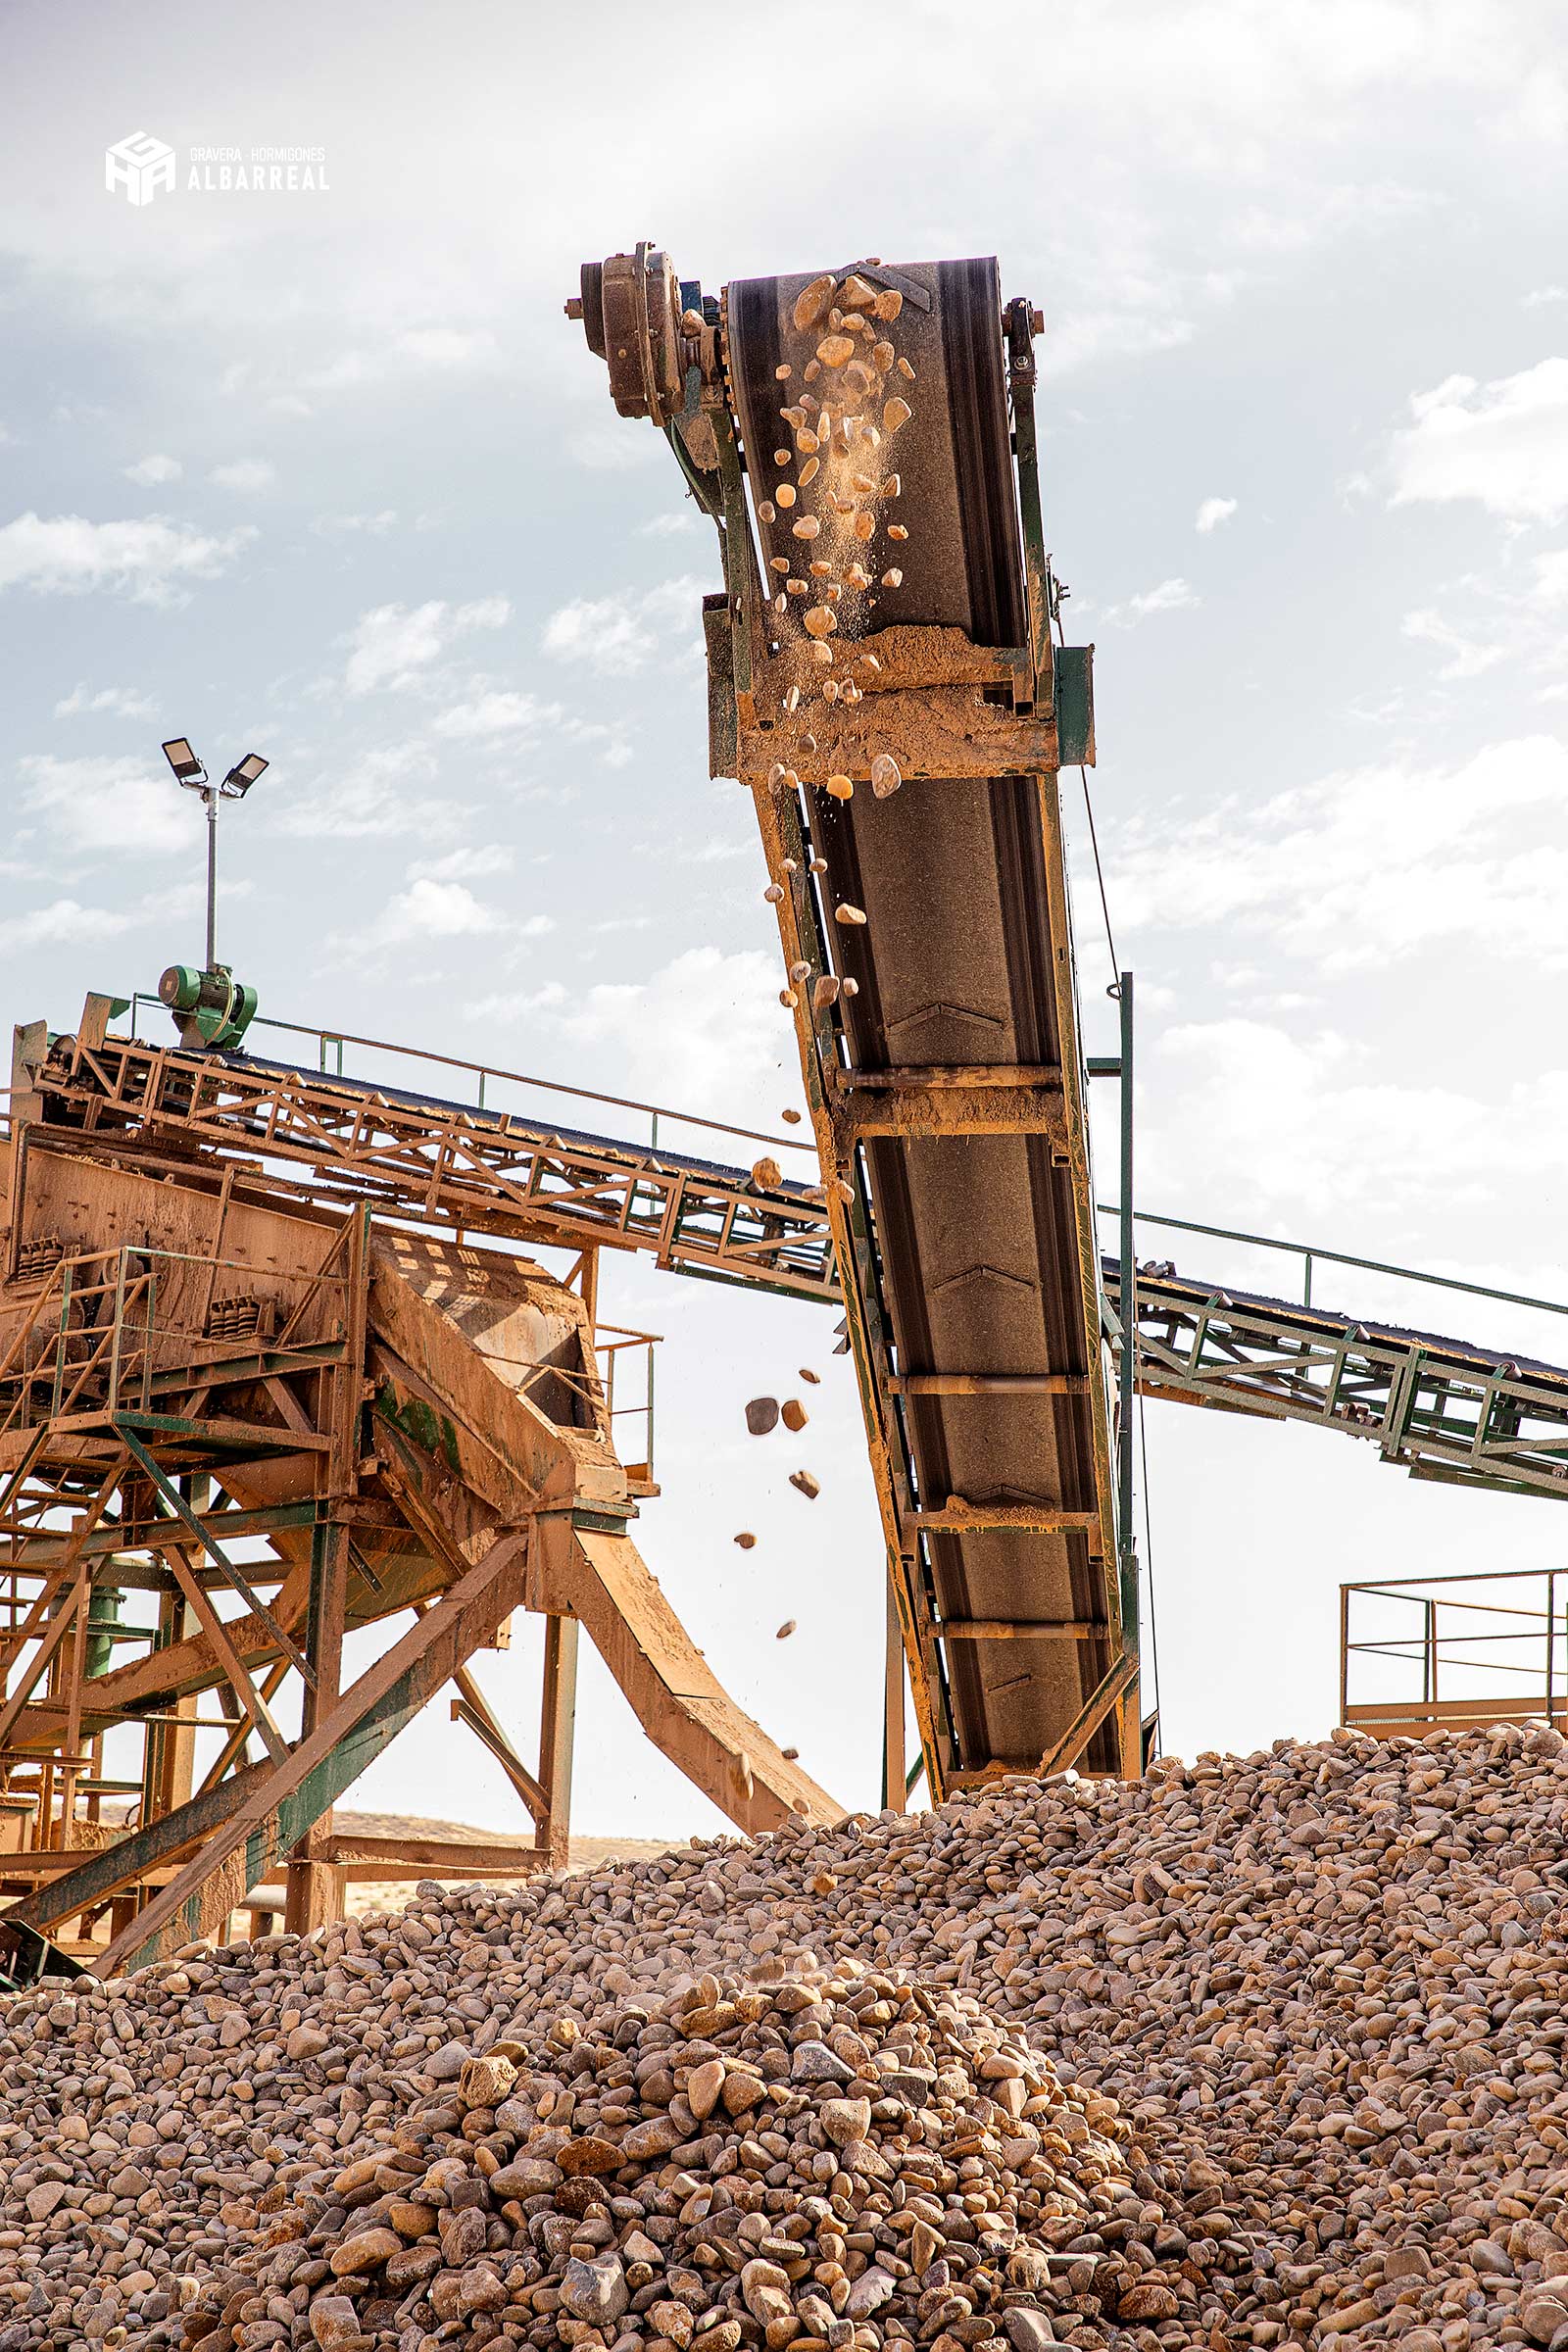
243,1417
210,1346
273,1370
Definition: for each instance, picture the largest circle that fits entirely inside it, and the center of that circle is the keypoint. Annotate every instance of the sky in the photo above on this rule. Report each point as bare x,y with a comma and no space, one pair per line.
324,472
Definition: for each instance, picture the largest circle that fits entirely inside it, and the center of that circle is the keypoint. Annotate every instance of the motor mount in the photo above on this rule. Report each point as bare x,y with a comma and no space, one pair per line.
211,1008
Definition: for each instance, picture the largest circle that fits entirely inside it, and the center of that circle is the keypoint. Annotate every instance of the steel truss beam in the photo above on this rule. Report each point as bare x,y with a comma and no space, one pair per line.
1438,1407
445,1163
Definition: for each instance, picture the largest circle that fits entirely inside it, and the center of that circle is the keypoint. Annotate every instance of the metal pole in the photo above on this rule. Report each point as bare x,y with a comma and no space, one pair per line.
1129,1337
210,795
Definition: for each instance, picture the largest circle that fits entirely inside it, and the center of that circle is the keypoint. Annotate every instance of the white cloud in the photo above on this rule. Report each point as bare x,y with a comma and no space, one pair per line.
149,560
1467,657
1171,596
611,448
1213,512
376,796
439,349
426,910
616,635
679,525
118,702
390,645
496,713
63,923
470,865
1081,338
246,474
445,347
154,469
1297,1131
374,526
108,807
1539,296
1504,443
705,1030
1370,865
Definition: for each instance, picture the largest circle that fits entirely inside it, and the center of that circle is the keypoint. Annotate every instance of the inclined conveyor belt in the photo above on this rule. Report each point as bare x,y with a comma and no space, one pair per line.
982,1240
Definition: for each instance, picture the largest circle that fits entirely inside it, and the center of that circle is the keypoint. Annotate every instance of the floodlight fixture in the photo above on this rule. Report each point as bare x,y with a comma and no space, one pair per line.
242,775
188,769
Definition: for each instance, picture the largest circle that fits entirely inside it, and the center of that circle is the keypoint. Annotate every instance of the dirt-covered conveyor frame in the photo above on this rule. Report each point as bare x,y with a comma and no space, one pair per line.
938,1038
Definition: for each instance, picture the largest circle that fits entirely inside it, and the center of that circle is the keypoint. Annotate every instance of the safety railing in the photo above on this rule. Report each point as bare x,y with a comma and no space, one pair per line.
626,1363
1420,1652
1312,1253
106,1324
484,1085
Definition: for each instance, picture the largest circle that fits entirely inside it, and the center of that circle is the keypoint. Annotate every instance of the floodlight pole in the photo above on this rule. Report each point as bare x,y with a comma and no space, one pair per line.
209,795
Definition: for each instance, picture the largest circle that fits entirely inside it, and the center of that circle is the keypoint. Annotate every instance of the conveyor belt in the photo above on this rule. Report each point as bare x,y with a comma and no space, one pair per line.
1443,1409
416,1156
961,963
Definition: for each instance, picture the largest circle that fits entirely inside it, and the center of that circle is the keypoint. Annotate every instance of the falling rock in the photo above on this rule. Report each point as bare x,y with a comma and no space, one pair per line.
809,1487
793,1414
596,2291
813,1379
895,411
783,1635
811,304
848,916
834,350
886,775
767,1173
762,1416
746,1539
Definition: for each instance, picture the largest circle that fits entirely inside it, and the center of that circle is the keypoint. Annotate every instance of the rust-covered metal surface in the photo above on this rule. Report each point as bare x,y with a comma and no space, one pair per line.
965,960
937,1035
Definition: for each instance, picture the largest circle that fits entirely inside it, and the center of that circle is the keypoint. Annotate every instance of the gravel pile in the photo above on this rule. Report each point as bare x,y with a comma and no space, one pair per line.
820,2162
1322,1983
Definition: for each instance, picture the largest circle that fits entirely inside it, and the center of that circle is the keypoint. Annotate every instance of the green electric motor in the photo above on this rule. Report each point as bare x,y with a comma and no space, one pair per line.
211,1008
